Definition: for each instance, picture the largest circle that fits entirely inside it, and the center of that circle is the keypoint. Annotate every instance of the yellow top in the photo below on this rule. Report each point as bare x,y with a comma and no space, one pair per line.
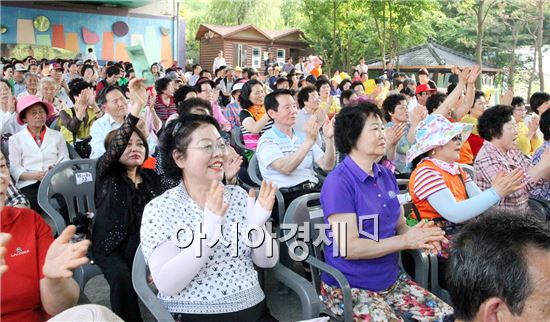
524,144
470,120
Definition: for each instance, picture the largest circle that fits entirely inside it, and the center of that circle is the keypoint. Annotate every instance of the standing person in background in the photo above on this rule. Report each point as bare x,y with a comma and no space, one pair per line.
288,66
362,67
197,69
300,66
219,61
90,55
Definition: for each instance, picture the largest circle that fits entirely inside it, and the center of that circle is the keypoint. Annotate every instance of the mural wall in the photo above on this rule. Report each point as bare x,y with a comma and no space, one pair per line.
67,34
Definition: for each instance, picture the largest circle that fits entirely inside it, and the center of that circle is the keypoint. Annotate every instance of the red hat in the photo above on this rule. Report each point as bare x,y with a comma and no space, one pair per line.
28,101
56,66
424,88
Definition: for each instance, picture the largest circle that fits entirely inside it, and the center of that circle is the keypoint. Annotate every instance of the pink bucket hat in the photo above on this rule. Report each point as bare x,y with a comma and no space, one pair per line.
434,131
28,101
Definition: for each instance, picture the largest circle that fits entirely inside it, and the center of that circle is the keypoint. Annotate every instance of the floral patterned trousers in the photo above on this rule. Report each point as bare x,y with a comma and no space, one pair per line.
403,301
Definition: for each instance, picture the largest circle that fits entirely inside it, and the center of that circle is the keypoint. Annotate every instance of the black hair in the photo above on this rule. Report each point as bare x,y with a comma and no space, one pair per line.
303,95
389,104
346,94
342,83
490,123
488,259
270,101
434,101
349,124
76,86
90,50
161,84
320,82
112,70
177,136
204,71
106,90
517,101
450,88
544,125
195,66
282,80
185,106
537,99
181,93
407,91
6,67
477,95
357,83
244,98
141,135
84,67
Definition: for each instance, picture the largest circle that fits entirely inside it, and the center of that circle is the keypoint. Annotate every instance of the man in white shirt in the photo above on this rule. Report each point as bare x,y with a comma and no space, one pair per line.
299,67
219,61
286,156
116,108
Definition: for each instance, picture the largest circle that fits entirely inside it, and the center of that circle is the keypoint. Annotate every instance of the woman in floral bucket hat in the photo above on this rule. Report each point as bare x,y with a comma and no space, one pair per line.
440,189
35,149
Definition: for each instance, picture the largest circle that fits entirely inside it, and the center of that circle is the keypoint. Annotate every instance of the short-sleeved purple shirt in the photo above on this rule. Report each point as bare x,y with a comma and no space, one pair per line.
349,189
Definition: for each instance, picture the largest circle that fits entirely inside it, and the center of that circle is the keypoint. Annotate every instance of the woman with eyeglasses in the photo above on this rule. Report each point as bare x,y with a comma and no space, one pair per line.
122,190
443,192
218,284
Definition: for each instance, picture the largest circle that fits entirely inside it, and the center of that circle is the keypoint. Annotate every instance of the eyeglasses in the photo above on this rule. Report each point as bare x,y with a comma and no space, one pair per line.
210,148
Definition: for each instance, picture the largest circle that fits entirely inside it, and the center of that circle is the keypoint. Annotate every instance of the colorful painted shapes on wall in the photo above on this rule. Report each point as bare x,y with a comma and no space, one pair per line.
3,29
166,51
25,31
41,23
120,28
20,51
89,36
58,36
120,52
165,31
72,42
108,50
44,40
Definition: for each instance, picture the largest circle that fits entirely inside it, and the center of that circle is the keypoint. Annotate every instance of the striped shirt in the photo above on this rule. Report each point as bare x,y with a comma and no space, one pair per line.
164,111
251,139
429,181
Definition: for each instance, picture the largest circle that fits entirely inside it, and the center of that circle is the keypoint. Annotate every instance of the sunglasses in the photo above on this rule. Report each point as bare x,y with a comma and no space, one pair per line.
457,138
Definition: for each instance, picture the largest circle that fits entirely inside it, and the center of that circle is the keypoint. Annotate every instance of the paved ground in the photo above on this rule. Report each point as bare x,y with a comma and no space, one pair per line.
284,307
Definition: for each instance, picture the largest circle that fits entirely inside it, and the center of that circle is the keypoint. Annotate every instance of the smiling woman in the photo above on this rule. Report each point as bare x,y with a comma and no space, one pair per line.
214,286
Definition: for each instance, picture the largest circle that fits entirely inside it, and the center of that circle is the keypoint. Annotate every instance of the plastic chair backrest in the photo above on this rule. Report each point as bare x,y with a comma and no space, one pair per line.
237,137
73,154
75,181
254,170
311,218
141,286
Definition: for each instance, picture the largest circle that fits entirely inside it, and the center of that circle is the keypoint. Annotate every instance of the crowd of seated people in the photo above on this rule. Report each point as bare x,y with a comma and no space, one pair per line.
164,159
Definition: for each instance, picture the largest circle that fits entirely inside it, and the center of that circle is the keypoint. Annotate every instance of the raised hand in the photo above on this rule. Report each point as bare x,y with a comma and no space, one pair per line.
418,114
62,256
214,199
12,103
533,124
474,73
266,199
394,133
138,92
424,236
506,98
464,75
328,128
4,240
231,163
508,183
312,129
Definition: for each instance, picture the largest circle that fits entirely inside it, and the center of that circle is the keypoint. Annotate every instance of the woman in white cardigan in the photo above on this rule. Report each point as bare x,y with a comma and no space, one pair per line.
36,148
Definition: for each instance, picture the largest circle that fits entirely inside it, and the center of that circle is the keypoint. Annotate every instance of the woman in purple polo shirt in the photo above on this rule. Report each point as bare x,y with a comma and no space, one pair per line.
359,189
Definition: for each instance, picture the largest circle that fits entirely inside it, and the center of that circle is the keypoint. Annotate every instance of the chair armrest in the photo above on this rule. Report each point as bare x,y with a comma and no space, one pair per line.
145,293
311,305
44,203
421,266
342,281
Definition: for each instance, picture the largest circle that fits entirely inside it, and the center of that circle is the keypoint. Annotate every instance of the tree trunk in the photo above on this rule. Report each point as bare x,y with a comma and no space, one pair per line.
532,77
334,19
479,40
539,44
513,60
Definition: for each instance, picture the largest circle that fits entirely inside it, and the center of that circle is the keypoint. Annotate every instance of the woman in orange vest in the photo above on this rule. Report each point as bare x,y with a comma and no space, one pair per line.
439,188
